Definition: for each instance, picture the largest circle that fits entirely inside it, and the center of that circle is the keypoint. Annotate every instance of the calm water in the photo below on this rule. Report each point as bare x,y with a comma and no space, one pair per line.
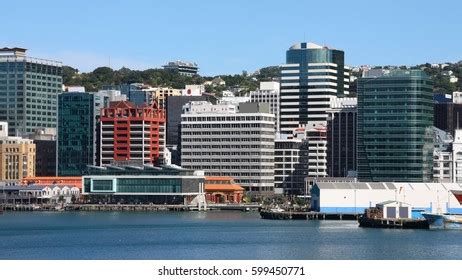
212,235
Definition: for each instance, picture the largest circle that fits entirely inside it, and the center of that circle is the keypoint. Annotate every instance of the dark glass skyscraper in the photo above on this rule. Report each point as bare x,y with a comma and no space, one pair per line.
29,89
341,137
76,127
310,76
395,118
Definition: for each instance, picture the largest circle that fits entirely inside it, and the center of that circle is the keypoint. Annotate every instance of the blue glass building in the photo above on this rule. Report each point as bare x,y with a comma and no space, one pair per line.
395,119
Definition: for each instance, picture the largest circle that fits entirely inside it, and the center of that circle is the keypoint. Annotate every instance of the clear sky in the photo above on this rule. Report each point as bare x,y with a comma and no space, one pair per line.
226,37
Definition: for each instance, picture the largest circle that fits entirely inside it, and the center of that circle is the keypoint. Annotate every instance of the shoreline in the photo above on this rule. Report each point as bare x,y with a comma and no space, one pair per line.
126,208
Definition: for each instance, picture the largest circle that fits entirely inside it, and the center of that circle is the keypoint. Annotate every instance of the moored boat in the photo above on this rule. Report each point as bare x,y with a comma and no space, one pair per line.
443,221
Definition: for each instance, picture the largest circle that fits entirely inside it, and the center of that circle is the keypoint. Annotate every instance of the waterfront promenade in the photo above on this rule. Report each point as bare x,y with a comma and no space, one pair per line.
127,207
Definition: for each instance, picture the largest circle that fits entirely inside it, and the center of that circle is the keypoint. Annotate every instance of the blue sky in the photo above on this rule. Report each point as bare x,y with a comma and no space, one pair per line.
226,37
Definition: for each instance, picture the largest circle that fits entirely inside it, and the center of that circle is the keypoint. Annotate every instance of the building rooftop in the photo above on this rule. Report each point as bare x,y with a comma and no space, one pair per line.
14,50
394,73
17,54
309,46
181,63
399,187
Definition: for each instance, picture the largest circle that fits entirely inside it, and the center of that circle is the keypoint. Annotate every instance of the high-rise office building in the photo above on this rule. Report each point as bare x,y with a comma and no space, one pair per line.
174,106
29,89
224,142
131,134
102,99
457,157
311,75
17,156
291,153
341,137
395,119
268,93
76,126
447,113
442,156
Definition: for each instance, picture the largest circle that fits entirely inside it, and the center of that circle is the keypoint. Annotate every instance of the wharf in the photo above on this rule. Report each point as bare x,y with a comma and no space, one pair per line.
393,223
292,215
126,207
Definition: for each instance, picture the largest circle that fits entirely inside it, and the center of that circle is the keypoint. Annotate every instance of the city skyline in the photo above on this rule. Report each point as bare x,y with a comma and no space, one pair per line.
147,34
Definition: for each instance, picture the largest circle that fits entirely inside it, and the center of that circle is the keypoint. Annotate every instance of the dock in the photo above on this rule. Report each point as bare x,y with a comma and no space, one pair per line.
127,207
293,215
393,223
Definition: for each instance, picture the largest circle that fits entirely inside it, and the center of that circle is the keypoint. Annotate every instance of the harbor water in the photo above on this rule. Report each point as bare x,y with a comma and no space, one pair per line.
210,235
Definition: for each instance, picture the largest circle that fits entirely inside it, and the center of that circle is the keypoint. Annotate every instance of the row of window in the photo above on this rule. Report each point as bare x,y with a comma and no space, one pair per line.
227,139
229,125
238,147
226,119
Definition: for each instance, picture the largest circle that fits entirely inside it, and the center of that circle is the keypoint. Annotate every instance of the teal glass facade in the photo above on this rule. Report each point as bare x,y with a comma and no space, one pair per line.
76,126
136,185
394,134
29,91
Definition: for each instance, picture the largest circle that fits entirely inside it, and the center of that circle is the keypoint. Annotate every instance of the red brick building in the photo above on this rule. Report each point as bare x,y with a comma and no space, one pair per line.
131,133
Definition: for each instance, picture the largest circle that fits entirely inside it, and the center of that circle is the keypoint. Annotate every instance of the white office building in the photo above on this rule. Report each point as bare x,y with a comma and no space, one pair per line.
457,156
290,163
224,142
268,93
442,156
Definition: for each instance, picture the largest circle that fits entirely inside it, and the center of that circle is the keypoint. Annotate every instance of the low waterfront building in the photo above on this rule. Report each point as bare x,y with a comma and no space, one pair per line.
142,184
395,210
39,194
222,189
17,156
355,197
74,181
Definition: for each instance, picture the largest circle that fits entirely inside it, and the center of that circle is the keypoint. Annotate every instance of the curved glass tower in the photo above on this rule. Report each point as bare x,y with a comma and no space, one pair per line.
395,119
311,75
